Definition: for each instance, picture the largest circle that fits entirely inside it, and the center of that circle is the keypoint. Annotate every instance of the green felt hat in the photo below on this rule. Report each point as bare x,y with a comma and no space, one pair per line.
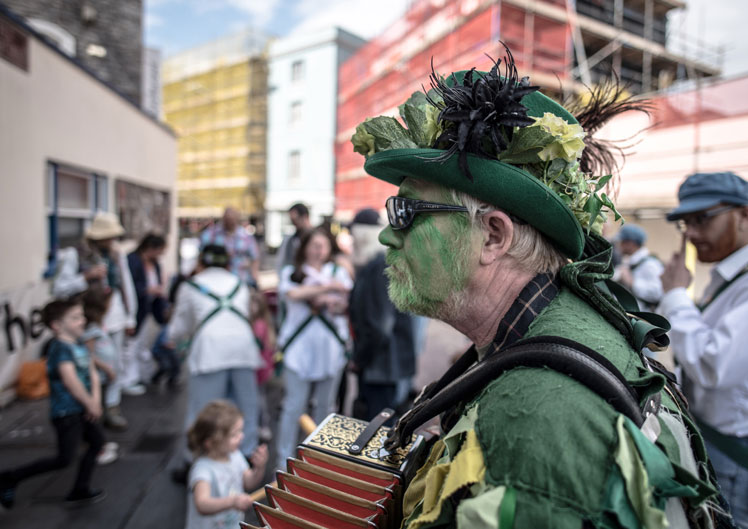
506,186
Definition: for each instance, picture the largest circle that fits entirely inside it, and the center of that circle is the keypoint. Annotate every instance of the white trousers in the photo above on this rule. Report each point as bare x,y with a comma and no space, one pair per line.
137,361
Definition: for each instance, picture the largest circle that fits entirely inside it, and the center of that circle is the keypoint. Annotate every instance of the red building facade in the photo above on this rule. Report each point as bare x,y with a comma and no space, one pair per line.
455,34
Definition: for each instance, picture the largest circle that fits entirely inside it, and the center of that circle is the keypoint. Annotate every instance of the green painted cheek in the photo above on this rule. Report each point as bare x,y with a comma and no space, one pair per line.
434,263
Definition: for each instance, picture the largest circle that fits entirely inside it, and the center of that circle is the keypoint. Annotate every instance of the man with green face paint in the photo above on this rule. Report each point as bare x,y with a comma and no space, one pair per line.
428,268
553,418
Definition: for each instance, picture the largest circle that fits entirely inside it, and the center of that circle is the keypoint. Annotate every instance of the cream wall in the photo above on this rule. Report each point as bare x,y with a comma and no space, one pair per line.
660,157
57,112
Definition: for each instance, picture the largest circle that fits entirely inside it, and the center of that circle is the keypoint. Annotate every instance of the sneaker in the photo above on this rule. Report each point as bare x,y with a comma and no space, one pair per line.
114,420
134,391
108,454
80,498
7,492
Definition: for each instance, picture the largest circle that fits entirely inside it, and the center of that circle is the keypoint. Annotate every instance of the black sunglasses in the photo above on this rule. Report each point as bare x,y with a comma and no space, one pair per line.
701,220
402,211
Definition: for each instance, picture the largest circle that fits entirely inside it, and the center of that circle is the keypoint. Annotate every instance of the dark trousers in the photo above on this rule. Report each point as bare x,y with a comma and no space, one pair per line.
70,430
168,364
373,398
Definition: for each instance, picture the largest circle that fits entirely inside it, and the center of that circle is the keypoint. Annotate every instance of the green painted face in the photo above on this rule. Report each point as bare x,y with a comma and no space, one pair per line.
431,262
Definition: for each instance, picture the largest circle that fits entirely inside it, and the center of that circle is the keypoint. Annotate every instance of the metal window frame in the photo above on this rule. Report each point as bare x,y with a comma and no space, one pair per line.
98,200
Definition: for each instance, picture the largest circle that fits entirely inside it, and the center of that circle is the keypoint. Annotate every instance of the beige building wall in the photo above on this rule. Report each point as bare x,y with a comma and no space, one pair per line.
690,131
56,112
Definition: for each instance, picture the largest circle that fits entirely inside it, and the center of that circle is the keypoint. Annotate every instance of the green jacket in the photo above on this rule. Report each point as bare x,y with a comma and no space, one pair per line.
537,449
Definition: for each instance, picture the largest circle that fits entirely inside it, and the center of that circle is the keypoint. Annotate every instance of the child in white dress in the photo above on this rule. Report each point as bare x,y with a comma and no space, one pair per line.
220,476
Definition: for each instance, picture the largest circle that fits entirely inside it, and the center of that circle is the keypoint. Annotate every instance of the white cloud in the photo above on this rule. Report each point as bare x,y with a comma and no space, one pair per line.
260,11
150,4
356,16
153,21
706,24
237,26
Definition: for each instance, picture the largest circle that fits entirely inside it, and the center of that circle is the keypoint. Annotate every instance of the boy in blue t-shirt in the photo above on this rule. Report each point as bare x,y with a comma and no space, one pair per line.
75,405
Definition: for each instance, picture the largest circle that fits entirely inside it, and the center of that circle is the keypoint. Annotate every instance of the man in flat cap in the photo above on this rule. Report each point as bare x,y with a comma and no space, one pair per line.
553,418
710,339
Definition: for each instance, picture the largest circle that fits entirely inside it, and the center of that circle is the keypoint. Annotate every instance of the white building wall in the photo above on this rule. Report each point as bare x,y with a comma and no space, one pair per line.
312,135
56,112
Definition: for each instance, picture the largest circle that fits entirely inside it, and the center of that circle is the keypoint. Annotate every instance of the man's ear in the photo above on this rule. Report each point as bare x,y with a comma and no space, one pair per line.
499,236
743,218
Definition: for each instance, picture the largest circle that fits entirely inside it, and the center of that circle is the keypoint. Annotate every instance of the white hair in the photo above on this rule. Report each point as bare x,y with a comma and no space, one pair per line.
530,249
366,243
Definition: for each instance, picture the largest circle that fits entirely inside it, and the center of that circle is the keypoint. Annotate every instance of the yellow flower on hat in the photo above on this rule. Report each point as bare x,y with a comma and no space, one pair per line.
568,139
432,128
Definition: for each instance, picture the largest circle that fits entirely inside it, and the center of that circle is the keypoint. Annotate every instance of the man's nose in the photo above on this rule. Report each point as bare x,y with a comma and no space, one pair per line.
389,238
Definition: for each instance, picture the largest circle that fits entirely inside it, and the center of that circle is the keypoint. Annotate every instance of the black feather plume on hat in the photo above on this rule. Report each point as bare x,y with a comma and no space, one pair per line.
606,101
480,113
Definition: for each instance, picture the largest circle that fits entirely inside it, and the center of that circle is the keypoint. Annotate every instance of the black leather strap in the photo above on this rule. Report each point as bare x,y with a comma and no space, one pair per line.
573,359
364,437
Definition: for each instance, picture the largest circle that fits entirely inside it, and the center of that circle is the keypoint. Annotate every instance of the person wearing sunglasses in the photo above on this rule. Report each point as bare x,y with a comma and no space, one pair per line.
709,338
495,230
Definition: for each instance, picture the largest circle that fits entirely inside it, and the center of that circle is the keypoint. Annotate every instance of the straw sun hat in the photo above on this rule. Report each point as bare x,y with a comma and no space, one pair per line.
104,226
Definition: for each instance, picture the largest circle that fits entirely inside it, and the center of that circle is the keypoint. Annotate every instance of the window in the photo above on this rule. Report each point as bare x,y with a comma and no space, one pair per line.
294,166
294,117
142,209
73,197
297,71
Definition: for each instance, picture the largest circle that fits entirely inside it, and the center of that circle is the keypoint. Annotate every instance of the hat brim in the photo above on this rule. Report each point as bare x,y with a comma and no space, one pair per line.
505,186
99,235
692,205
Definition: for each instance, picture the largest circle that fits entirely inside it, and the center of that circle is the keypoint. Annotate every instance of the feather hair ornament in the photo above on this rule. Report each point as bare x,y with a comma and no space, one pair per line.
480,113
604,102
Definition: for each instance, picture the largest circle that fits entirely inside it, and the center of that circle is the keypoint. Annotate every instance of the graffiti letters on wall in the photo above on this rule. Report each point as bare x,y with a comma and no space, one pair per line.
21,329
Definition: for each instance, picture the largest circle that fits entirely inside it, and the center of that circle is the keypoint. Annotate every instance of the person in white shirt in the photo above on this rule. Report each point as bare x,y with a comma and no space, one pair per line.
710,339
639,270
313,335
210,317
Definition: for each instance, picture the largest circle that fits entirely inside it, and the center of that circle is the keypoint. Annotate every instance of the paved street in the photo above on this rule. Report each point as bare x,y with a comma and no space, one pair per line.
140,493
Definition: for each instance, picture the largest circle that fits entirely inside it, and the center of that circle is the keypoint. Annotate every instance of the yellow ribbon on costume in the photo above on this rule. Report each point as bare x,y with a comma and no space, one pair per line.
443,480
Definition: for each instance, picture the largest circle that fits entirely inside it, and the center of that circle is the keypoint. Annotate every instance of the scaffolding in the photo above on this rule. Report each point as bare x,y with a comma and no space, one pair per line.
562,45
631,40
215,98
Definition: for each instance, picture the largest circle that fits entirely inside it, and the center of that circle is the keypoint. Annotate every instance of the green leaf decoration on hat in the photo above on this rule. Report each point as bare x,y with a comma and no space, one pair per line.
380,134
497,116
422,119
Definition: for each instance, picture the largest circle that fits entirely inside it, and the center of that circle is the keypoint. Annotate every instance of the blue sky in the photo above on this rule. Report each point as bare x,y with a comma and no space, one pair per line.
175,25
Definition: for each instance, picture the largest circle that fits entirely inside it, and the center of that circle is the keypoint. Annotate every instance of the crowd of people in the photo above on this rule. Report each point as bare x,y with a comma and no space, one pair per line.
120,327
559,414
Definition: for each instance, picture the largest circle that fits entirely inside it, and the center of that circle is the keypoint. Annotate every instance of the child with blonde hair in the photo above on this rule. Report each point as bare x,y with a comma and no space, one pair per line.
220,475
